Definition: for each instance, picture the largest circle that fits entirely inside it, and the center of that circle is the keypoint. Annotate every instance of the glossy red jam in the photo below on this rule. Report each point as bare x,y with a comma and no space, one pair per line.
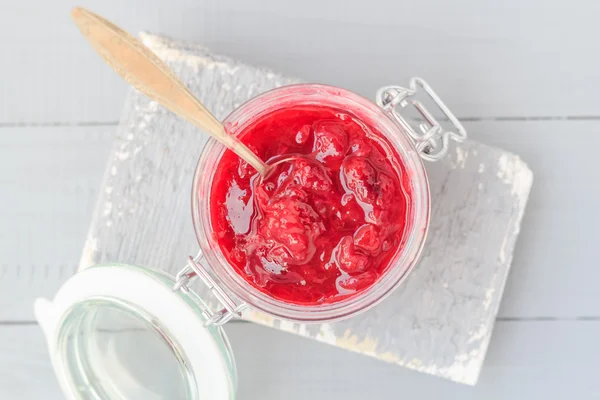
321,228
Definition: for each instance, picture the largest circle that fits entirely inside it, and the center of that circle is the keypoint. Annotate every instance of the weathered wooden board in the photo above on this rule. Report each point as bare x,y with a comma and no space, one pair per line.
440,321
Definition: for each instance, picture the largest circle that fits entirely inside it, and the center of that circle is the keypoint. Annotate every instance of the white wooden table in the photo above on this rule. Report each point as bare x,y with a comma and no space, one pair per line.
523,75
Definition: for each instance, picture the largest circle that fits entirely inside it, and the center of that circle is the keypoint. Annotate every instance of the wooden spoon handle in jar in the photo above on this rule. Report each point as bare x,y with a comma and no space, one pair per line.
146,72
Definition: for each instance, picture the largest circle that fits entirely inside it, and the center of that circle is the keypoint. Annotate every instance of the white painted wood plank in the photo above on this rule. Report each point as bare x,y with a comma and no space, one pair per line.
554,270
527,360
48,178
487,58
25,365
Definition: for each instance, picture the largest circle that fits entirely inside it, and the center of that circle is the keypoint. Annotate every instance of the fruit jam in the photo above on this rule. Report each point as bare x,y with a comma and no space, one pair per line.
322,227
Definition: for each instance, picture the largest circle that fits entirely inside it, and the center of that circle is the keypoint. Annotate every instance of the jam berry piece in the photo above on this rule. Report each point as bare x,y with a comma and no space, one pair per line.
386,189
351,214
311,175
360,177
327,207
347,259
357,282
303,134
378,158
280,255
368,238
296,243
294,226
290,192
330,141
360,148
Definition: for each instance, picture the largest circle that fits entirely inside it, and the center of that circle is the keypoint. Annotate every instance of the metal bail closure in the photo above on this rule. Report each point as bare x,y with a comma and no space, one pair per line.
195,269
433,140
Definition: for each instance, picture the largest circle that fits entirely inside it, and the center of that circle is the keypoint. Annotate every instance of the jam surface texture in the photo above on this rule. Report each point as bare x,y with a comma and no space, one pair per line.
322,227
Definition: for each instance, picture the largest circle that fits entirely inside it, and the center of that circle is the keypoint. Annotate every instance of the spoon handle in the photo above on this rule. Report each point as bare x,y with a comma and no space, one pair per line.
147,73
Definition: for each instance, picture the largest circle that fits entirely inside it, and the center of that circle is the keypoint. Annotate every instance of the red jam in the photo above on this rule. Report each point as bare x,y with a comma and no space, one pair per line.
320,228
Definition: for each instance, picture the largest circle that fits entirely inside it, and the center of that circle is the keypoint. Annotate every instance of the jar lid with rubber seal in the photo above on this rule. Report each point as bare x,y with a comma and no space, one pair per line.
322,238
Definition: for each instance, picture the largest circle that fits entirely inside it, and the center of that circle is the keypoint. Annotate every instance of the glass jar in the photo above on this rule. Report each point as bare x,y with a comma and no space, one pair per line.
125,332
373,116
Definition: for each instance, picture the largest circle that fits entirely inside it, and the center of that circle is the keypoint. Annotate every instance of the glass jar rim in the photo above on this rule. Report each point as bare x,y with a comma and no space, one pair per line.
316,94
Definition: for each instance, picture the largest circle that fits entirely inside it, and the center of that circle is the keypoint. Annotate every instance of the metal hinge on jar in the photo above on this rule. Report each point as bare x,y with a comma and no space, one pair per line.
433,140
194,269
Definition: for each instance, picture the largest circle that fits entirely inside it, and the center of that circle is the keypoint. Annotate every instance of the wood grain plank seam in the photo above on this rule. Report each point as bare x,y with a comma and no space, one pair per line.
499,319
463,119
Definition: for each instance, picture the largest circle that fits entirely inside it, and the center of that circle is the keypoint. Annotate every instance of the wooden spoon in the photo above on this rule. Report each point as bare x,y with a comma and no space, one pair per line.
147,73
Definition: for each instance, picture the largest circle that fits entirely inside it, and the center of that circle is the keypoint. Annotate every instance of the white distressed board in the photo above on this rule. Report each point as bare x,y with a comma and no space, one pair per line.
439,321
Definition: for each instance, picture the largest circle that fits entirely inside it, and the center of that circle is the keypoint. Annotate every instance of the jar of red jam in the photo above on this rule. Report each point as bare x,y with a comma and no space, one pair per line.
329,235
326,235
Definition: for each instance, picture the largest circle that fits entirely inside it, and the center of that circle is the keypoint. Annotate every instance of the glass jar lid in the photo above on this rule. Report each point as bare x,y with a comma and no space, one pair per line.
121,332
